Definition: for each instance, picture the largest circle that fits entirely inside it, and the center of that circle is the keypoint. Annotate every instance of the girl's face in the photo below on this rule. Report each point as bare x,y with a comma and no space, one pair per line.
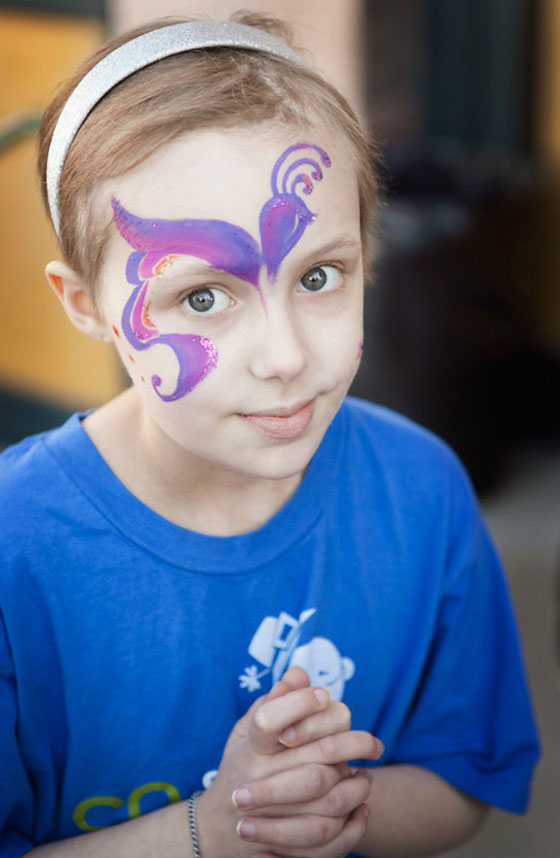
233,286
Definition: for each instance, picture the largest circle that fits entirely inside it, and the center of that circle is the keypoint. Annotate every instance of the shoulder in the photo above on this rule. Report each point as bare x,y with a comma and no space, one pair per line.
33,480
398,447
23,464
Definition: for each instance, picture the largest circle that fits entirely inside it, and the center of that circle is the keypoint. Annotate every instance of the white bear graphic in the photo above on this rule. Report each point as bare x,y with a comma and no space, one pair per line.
275,646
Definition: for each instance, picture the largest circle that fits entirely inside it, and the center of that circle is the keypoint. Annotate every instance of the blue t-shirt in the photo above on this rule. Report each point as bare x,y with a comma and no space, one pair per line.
129,646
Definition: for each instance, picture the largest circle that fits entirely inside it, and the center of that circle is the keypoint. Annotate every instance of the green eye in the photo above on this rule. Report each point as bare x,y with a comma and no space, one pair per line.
323,278
207,301
201,301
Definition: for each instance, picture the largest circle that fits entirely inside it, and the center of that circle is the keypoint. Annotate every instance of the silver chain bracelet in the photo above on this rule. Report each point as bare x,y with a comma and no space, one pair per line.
192,802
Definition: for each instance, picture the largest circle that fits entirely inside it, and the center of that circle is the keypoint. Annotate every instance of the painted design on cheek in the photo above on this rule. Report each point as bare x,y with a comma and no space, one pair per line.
225,246
285,217
196,355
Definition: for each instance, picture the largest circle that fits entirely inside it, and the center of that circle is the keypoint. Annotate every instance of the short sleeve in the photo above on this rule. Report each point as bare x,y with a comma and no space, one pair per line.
16,793
471,720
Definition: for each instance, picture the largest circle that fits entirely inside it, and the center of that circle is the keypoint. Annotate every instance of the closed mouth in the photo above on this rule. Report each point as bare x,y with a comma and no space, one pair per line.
285,423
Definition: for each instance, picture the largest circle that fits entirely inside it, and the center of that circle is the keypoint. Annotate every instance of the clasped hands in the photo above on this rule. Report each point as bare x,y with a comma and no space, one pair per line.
284,787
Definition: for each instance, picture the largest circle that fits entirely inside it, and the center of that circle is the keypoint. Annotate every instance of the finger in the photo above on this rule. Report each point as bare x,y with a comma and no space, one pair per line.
278,690
275,715
302,784
340,801
291,831
346,842
296,677
336,718
241,728
340,748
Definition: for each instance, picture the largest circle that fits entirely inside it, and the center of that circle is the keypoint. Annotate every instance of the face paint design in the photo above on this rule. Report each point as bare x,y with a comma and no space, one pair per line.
196,355
285,217
226,247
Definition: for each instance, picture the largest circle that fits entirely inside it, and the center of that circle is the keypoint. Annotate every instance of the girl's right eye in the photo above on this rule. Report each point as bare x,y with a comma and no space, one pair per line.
208,301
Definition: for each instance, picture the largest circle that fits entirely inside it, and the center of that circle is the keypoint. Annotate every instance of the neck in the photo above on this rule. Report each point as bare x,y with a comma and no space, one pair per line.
192,493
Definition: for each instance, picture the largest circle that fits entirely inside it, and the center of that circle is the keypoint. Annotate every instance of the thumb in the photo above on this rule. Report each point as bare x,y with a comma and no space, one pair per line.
242,727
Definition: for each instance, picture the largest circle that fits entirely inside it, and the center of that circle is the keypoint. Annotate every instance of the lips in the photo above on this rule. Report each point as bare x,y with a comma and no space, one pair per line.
284,422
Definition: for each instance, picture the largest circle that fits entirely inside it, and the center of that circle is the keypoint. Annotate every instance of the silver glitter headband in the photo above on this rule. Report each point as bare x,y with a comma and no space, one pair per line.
130,58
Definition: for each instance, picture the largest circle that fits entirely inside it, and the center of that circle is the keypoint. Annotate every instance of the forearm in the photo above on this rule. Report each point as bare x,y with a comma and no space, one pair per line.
415,813
164,832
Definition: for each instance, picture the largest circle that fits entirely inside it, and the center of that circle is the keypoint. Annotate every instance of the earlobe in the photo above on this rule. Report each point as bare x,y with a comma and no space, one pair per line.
77,301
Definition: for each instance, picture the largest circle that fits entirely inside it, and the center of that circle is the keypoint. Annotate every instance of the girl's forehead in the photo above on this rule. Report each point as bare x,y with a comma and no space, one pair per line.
229,174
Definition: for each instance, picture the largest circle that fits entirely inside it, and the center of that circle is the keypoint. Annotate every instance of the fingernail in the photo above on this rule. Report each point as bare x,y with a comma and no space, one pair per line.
323,695
241,797
246,828
287,736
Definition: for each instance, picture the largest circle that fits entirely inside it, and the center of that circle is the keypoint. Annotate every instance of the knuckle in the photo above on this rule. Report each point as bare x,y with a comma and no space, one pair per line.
322,831
350,836
260,723
363,789
327,747
319,780
335,804
343,714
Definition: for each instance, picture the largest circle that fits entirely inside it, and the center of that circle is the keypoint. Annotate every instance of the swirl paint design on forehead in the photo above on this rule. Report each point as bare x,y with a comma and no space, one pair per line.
285,217
225,246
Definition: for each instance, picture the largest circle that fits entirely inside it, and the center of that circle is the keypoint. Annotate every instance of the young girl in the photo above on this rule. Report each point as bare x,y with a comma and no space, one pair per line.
197,574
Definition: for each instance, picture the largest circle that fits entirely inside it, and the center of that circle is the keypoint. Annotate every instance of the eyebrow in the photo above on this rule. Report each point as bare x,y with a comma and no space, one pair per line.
337,243
193,267
197,267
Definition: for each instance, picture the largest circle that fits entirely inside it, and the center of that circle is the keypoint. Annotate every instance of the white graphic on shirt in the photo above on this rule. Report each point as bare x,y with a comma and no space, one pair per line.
209,777
275,647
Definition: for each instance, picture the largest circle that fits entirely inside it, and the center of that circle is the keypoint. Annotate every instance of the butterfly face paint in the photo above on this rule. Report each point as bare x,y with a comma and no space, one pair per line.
225,246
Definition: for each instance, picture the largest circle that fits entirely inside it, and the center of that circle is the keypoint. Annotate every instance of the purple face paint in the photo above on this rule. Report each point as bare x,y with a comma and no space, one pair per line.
285,217
226,247
196,355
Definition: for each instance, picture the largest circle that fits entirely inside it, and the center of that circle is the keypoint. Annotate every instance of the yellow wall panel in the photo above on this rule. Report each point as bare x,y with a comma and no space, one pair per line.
40,352
548,145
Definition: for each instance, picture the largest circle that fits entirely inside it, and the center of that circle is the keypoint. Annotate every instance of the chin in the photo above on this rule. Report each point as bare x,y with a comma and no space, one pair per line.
282,463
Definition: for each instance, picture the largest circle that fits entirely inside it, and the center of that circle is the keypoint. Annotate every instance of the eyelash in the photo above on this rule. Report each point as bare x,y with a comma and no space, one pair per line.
335,266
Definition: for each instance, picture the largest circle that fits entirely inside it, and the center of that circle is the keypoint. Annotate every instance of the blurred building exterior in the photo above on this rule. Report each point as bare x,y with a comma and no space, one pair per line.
463,323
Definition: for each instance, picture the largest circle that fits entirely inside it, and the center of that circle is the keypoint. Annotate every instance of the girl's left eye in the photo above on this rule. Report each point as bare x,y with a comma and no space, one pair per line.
323,278
208,301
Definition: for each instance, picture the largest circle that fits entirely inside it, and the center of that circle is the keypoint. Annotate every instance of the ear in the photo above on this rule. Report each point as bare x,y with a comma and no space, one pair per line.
77,301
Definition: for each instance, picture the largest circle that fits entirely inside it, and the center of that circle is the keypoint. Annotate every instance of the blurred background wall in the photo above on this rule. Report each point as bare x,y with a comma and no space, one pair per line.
463,322
463,314
45,365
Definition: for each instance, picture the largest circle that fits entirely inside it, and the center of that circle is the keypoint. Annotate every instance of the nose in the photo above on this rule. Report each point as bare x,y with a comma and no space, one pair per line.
279,350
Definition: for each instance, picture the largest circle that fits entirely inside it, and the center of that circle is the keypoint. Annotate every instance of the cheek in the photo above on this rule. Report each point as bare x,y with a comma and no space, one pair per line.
338,344
169,365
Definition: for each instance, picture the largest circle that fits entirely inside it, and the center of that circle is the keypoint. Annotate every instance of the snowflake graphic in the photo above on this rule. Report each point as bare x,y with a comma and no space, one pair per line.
251,678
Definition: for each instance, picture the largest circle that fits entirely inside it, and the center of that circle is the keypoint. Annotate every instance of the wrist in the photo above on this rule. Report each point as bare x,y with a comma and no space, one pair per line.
193,823
211,820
